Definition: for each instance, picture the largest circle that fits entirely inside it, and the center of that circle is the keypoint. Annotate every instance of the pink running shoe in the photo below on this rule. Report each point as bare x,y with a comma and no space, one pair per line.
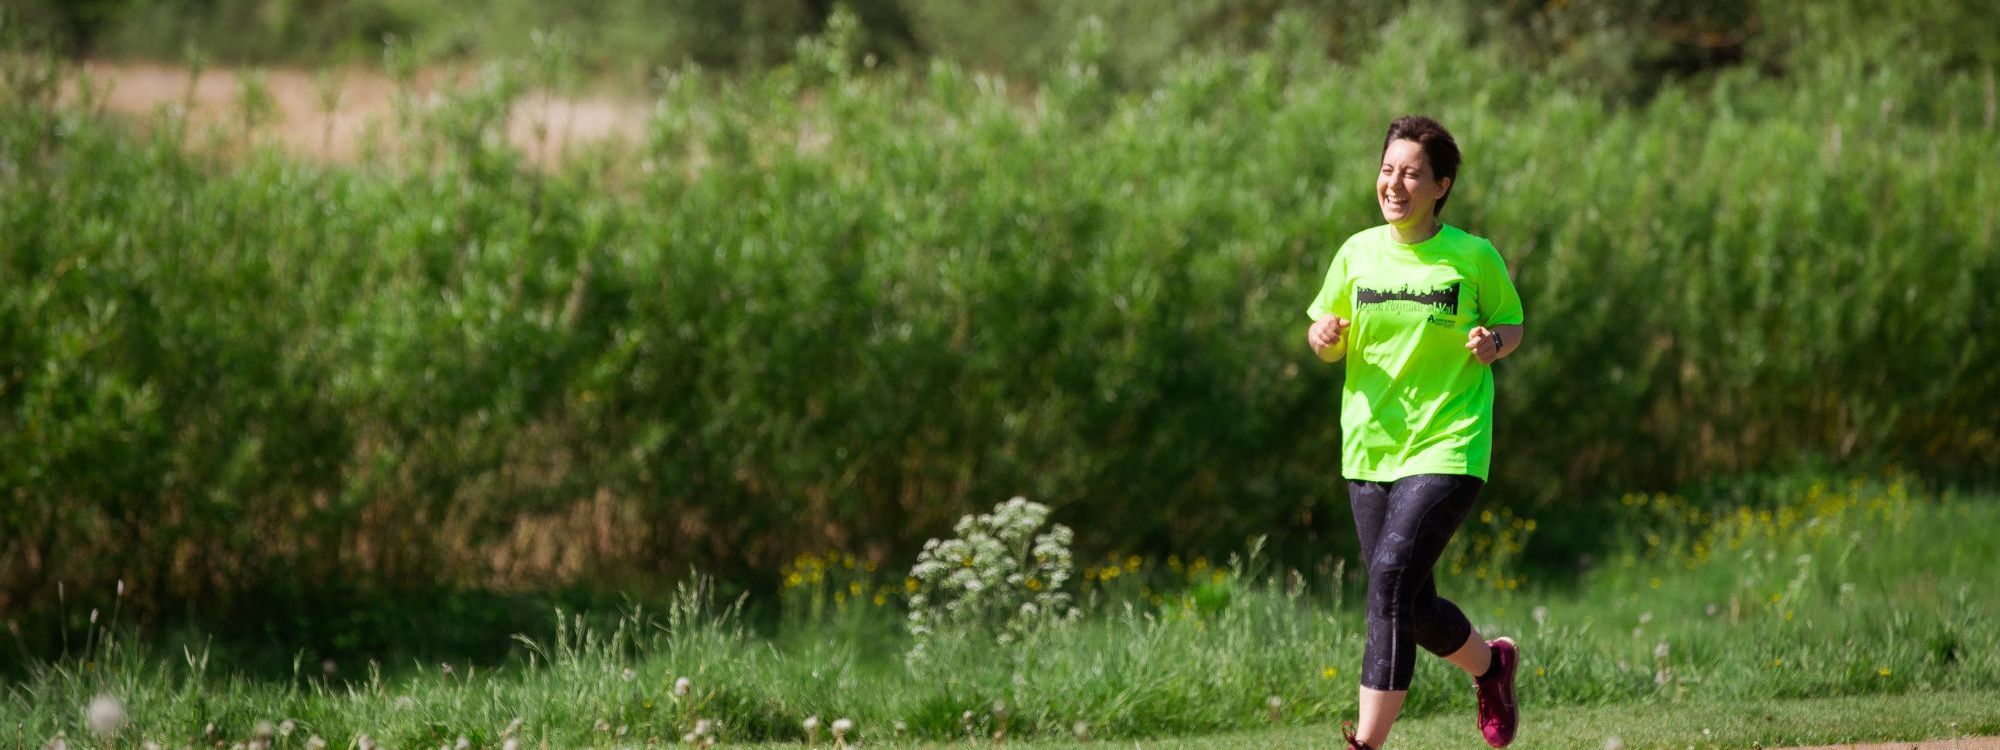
1347,732
1498,714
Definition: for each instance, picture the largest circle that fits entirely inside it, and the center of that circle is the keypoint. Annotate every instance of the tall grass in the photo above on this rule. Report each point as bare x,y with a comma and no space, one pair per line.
1834,589
829,307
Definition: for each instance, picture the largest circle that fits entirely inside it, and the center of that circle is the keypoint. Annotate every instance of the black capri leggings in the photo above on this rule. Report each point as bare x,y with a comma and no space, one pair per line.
1404,526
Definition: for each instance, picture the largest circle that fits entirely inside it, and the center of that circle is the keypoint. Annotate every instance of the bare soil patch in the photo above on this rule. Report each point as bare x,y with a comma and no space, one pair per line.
1962,743
544,127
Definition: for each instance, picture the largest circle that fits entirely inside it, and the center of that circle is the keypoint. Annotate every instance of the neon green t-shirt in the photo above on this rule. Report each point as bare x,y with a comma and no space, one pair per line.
1416,401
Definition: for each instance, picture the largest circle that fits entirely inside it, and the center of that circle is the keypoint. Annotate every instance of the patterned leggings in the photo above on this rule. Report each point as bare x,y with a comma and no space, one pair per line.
1404,526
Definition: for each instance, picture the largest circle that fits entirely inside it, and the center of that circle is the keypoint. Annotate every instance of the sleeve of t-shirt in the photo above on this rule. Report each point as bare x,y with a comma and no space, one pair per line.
1499,303
1333,296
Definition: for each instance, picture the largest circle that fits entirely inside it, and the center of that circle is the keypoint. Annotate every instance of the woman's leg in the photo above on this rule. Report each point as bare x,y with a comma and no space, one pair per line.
1443,629
1403,531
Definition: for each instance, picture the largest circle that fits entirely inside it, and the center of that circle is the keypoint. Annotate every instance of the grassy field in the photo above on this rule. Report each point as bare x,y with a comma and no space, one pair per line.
1708,619
811,315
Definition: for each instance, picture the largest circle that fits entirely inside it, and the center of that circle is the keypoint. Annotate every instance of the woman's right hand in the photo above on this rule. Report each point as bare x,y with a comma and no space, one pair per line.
1326,333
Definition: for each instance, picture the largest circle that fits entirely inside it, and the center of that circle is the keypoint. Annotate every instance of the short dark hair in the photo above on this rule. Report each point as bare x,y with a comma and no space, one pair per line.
1439,149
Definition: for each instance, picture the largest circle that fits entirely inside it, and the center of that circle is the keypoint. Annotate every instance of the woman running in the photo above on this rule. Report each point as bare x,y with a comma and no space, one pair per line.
1421,310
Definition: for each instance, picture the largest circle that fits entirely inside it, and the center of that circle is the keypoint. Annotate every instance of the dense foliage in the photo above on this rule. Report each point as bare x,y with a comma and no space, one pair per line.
831,307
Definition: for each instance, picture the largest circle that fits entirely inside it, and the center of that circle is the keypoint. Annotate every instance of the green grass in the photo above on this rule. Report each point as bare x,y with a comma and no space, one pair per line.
1859,589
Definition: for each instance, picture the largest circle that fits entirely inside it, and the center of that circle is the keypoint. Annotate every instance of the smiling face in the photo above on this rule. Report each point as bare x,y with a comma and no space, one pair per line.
1406,189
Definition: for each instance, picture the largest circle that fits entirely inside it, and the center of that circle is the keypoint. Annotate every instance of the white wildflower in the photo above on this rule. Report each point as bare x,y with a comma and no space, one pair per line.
315,743
841,727
106,716
682,686
463,743
286,728
630,674
512,743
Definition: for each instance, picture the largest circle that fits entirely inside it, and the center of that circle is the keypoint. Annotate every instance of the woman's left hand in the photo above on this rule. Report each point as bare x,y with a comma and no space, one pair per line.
1484,344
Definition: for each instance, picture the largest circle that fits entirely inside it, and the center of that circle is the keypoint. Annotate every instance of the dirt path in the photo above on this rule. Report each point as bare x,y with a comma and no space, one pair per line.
1965,743
363,99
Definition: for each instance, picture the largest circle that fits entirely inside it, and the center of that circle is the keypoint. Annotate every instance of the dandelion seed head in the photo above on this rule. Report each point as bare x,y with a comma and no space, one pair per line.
630,675
842,726
812,723
683,686
106,715
286,727
315,743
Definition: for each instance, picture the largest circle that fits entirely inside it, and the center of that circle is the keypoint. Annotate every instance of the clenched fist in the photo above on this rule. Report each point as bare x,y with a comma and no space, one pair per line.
1327,332
1484,343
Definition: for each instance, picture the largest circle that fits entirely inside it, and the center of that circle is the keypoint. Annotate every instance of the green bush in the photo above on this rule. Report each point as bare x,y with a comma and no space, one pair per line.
832,308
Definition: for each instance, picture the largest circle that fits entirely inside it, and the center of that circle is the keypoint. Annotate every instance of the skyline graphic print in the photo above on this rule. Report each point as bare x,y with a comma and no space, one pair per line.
1443,300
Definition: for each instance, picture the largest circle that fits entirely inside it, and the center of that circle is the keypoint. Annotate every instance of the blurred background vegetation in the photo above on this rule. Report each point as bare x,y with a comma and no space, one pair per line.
1623,48
854,283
